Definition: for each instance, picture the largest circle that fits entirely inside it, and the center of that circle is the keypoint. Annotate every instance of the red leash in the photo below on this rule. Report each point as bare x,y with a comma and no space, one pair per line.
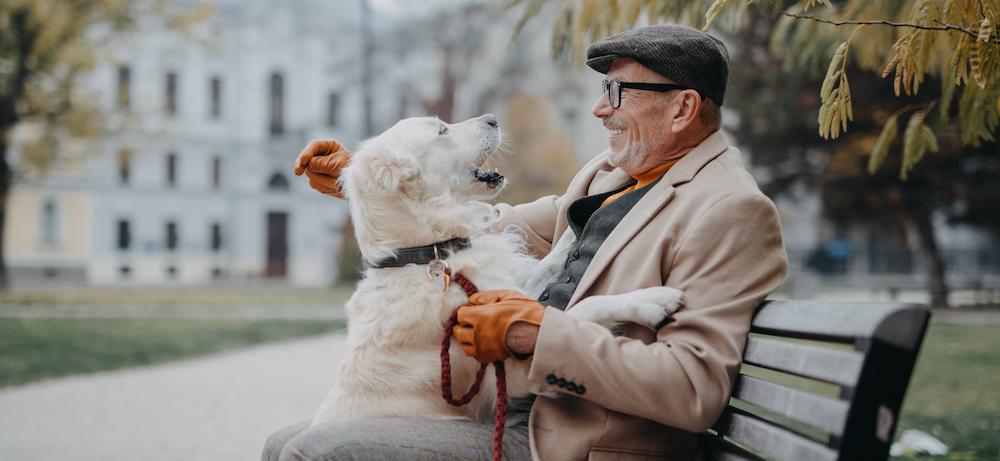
501,410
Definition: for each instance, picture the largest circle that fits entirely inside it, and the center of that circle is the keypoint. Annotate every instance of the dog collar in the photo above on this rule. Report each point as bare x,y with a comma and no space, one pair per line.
422,255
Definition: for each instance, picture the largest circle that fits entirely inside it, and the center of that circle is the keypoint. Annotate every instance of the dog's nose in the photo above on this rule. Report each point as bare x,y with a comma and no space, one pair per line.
491,120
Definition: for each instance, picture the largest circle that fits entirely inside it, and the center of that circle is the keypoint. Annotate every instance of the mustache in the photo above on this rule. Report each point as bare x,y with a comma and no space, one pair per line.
613,124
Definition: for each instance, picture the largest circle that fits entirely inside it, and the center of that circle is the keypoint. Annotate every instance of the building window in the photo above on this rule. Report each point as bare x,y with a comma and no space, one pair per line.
216,237
124,166
278,182
216,172
171,272
124,272
124,235
171,93
333,106
124,95
215,110
171,237
171,170
277,103
50,223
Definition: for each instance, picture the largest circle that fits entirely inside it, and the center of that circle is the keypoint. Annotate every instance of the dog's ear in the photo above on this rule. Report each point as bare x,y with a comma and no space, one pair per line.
392,174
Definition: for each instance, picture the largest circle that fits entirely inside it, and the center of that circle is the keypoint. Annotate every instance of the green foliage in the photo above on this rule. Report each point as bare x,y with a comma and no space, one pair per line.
955,41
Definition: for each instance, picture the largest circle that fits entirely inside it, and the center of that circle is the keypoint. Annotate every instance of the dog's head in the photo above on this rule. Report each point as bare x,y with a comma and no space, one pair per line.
417,182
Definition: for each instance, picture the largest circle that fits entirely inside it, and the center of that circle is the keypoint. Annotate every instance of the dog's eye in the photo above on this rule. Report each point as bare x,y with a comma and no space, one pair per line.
443,130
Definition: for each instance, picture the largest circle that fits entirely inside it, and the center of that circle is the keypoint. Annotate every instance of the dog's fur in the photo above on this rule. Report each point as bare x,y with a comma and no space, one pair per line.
416,184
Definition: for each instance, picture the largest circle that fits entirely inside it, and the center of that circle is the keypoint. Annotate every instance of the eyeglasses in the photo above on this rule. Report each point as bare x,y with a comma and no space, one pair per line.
614,89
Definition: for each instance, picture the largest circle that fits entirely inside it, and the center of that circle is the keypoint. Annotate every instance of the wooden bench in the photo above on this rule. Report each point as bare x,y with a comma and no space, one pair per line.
821,381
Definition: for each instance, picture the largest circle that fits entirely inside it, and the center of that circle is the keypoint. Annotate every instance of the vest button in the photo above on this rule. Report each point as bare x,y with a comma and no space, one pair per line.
576,255
569,278
544,296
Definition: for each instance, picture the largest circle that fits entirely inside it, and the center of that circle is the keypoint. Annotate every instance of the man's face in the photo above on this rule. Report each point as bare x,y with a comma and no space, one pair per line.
638,130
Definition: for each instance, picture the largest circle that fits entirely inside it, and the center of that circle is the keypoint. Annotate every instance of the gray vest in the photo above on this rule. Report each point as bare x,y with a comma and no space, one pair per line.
591,223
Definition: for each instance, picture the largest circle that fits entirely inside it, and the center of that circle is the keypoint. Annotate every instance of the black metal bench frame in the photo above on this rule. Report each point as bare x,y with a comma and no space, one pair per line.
867,351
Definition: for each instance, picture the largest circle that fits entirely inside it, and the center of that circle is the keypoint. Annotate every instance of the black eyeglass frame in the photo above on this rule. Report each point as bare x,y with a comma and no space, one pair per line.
620,85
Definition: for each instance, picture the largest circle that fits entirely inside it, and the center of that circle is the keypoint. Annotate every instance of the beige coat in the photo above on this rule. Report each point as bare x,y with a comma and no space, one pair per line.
705,229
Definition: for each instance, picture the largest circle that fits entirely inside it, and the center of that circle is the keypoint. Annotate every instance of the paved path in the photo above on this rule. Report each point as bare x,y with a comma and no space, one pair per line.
216,408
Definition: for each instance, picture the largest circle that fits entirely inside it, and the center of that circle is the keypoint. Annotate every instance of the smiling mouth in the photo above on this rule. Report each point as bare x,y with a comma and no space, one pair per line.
492,178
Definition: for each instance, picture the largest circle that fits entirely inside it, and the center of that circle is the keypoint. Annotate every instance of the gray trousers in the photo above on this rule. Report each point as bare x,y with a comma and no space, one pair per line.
396,439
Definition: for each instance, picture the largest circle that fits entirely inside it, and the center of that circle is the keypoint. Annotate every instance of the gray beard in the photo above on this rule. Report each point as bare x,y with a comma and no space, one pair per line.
630,159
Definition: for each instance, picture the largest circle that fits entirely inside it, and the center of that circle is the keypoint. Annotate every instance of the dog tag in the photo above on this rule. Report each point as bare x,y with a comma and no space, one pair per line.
437,272
441,282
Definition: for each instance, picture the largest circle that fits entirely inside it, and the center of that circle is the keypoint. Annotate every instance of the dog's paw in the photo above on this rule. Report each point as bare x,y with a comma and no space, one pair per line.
653,305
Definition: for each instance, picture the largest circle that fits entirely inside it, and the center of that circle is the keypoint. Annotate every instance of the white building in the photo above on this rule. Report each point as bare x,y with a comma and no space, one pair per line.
196,182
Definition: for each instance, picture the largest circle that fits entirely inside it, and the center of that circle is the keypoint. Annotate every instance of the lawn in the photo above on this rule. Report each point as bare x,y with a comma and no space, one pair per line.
955,391
237,295
32,349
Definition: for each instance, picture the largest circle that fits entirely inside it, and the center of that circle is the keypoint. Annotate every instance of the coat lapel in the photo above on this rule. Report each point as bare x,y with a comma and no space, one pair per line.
648,207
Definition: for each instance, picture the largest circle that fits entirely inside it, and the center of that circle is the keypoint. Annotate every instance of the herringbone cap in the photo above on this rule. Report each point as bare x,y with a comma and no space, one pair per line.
686,56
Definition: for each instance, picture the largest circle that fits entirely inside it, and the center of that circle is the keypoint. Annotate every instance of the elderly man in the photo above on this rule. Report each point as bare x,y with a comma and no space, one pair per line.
670,203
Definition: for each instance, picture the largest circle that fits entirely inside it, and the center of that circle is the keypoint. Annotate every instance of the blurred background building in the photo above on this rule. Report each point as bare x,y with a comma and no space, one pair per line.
195,183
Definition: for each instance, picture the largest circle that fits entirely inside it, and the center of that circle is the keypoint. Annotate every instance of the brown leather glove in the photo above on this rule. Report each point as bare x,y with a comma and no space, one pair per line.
321,161
483,323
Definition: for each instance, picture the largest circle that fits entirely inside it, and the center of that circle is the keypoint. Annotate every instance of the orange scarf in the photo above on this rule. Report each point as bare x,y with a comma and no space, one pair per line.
643,180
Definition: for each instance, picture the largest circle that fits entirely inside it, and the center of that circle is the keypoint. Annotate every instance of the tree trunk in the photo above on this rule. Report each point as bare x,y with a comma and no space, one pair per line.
5,177
933,261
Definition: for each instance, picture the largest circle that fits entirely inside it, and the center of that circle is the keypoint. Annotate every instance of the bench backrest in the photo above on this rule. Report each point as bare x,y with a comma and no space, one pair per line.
821,381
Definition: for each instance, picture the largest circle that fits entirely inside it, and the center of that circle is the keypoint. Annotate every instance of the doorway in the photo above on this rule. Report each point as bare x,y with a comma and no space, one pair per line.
277,244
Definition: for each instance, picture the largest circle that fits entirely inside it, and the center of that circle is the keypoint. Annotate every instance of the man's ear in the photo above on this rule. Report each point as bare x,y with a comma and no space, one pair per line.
688,107
391,174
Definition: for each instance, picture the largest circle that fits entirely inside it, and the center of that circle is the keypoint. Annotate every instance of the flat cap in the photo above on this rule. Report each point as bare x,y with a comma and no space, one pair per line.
686,56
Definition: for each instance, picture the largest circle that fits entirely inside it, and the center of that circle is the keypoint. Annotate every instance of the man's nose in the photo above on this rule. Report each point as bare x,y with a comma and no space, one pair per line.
602,108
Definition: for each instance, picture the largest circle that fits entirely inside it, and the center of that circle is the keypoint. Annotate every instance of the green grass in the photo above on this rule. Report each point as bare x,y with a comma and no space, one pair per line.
34,349
184,296
954,394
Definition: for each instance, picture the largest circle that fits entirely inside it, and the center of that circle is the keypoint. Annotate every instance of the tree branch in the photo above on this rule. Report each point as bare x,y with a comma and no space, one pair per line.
943,26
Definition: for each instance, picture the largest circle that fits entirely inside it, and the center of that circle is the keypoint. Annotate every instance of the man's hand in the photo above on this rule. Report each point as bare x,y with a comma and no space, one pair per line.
498,324
321,161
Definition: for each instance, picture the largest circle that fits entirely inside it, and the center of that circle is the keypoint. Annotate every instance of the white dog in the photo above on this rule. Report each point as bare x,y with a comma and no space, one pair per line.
414,185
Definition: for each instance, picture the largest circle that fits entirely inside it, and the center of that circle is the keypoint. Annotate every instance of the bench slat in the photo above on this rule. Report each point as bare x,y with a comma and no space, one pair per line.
771,441
725,456
818,411
715,448
829,365
832,321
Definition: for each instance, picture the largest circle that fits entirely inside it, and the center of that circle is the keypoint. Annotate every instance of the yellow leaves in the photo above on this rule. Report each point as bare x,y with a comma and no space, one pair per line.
985,30
811,3
976,63
909,73
191,17
917,140
713,11
531,10
885,139
960,60
835,97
